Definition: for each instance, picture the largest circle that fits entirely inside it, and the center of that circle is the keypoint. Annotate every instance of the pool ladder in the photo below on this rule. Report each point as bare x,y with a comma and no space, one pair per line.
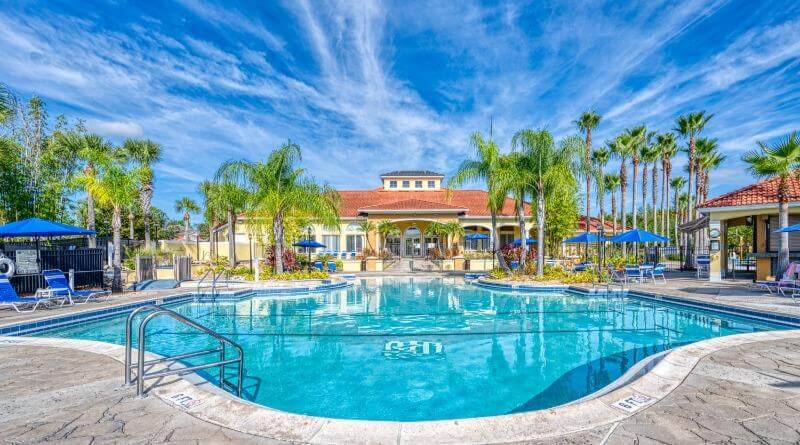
142,374
214,281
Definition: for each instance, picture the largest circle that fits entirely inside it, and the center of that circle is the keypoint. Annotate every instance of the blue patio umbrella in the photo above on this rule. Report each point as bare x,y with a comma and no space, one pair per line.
792,228
638,236
528,241
309,244
40,228
476,236
585,237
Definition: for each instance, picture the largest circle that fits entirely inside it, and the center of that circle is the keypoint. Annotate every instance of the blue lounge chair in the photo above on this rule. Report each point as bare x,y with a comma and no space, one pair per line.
514,265
657,272
9,298
58,285
633,273
318,265
580,267
331,266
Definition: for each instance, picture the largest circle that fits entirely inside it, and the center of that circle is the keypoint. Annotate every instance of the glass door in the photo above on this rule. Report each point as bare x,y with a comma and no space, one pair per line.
413,247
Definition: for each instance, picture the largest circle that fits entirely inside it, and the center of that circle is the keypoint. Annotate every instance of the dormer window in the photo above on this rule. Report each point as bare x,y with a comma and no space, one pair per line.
392,184
418,184
431,184
406,184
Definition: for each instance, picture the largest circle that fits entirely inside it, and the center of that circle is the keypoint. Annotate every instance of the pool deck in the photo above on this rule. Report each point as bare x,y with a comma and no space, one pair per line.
737,389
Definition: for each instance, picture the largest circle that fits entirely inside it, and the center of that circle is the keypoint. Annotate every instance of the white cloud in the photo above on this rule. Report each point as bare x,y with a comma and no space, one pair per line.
121,129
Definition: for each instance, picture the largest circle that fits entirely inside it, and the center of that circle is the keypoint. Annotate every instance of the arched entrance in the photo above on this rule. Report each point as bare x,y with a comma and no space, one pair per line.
412,242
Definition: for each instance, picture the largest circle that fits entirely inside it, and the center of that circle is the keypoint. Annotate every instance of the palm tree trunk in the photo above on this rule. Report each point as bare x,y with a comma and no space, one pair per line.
90,219
623,187
277,234
663,229
231,239
210,241
655,197
588,177
540,231
501,262
602,197
614,211
677,212
116,226
186,227
523,236
131,235
633,190
783,222
644,196
146,200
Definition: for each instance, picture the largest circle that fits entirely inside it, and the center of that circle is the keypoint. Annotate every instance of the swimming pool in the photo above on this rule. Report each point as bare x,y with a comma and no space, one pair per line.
425,349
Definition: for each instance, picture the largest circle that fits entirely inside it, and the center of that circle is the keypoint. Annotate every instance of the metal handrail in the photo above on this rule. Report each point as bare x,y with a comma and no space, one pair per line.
203,278
216,279
141,375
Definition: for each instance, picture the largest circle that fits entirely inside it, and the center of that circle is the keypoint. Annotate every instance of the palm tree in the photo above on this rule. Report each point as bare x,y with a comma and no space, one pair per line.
367,227
612,184
92,150
187,206
587,122
115,185
638,136
144,153
781,160
668,148
386,229
689,126
600,158
677,184
278,189
484,167
213,210
517,181
623,147
435,229
708,158
649,155
548,166
452,229
233,199
7,104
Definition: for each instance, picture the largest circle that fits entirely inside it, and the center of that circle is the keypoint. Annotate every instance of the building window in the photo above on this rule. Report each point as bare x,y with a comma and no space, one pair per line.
392,184
331,242
355,243
506,238
418,184
406,184
431,184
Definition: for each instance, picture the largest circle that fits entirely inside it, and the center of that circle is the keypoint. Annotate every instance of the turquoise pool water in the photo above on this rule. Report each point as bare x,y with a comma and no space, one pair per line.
423,349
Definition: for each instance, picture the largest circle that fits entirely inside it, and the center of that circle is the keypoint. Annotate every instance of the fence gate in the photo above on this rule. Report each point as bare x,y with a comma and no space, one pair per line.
145,268
182,265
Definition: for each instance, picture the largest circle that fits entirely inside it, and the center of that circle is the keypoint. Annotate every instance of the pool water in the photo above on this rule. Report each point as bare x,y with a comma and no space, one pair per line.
423,349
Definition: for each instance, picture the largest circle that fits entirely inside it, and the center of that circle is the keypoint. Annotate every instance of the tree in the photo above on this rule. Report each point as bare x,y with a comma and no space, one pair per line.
623,147
612,184
187,206
213,210
435,229
452,229
548,166
668,148
144,153
562,213
278,189
7,104
689,126
779,160
600,158
649,155
677,184
518,180
232,199
115,185
386,229
367,227
708,158
587,122
638,136
484,167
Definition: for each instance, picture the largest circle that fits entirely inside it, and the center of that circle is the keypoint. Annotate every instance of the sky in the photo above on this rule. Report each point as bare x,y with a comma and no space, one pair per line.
369,87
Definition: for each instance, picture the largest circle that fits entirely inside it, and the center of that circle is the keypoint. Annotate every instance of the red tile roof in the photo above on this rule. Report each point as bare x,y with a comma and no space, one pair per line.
594,224
473,201
411,204
764,192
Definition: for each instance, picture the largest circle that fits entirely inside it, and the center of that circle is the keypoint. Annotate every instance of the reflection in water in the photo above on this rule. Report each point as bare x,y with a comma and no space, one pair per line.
417,349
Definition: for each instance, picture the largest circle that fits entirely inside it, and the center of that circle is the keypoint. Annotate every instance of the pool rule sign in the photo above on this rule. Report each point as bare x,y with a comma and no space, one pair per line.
26,262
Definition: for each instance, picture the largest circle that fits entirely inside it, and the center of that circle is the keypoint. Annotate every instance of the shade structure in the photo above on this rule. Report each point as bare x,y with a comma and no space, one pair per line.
792,228
476,236
528,241
40,228
638,236
308,243
585,238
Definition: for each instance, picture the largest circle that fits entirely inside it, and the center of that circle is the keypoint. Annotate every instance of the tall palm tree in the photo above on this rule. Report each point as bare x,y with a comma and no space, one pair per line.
484,167
452,229
708,158
517,181
668,148
115,185
689,126
437,230
144,153
600,158
187,206
638,137
624,146
278,189
367,227
386,229
648,155
213,210
549,165
612,184
233,199
779,160
677,184
587,122
92,150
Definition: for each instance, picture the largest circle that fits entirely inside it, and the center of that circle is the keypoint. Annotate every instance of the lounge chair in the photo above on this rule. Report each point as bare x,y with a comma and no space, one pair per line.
658,272
616,275
318,265
514,265
787,279
633,273
331,266
9,298
580,267
58,285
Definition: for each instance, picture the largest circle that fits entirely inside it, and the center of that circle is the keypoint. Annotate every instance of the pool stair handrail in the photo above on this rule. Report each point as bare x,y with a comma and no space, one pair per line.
214,283
202,279
142,375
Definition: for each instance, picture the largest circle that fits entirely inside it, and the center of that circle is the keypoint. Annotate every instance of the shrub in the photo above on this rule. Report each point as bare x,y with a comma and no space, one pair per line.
290,262
294,275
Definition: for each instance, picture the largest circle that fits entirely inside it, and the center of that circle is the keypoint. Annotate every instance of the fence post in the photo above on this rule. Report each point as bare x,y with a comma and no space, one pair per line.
72,278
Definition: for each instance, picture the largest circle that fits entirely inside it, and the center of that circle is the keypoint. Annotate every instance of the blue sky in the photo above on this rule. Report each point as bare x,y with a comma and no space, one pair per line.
367,88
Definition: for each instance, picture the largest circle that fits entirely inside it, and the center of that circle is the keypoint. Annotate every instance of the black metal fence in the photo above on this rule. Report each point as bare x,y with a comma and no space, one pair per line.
86,263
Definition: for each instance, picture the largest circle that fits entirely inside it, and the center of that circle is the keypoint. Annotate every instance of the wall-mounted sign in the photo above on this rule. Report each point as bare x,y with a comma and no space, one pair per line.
714,233
26,262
